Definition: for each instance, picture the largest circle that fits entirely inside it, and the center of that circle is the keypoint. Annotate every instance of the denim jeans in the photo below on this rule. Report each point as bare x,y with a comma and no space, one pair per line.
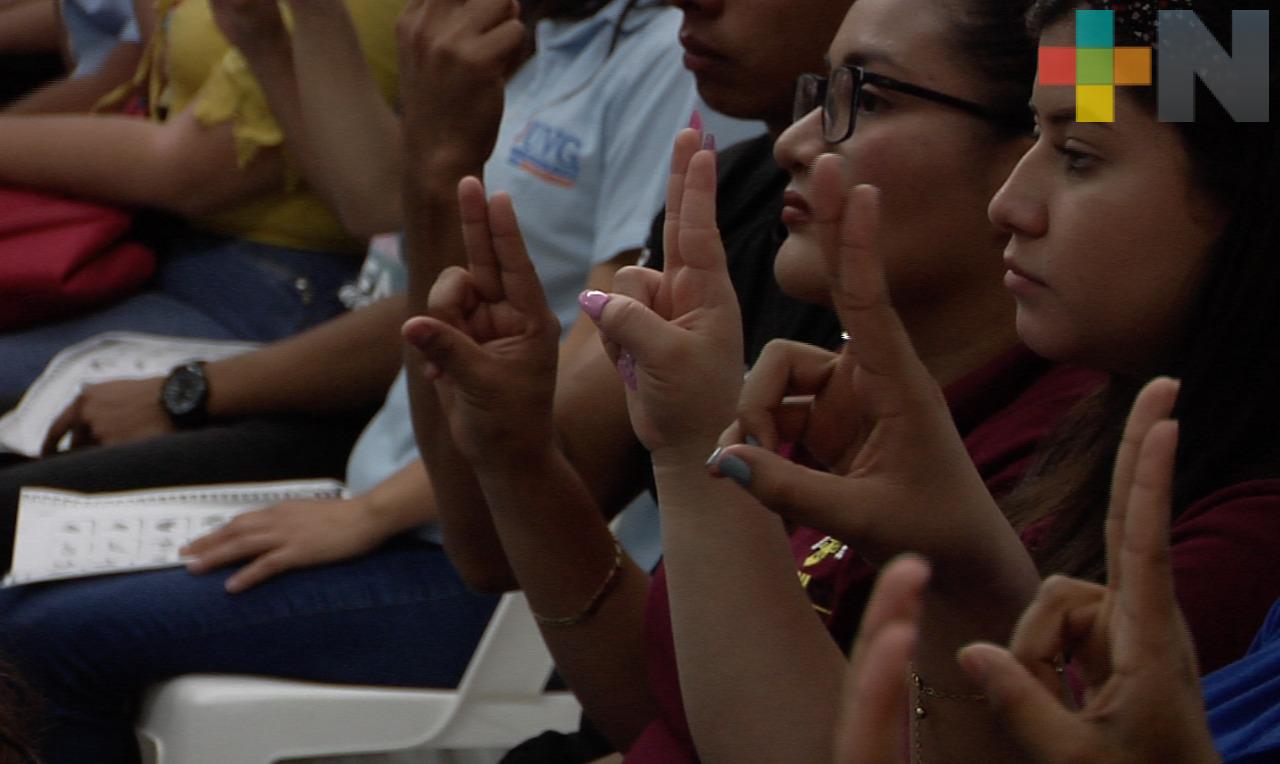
210,287
398,616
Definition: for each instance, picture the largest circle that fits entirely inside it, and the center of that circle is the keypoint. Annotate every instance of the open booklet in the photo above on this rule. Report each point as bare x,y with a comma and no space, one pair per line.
113,355
63,534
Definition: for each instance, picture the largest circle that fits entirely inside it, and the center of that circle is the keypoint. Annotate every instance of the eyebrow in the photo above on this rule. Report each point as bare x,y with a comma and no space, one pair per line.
863,58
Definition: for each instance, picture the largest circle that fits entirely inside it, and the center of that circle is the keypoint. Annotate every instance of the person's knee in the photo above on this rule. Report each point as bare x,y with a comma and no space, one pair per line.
57,644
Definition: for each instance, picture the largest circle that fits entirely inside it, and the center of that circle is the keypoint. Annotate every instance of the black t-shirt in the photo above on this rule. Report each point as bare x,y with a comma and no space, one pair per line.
749,192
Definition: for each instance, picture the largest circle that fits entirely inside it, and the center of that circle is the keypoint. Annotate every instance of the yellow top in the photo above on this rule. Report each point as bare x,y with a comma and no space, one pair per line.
202,68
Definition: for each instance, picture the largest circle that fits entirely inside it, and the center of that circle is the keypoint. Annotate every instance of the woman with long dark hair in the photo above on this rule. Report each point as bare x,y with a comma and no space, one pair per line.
1138,247
738,666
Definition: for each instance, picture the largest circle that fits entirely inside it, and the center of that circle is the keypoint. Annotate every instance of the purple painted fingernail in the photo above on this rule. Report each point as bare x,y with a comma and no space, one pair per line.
695,120
593,303
709,142
627,369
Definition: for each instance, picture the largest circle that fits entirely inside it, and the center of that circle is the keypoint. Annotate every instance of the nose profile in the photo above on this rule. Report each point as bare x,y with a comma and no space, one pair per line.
1015,209
800,145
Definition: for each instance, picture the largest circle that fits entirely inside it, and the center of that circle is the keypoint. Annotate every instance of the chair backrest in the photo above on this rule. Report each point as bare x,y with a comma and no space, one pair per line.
511,659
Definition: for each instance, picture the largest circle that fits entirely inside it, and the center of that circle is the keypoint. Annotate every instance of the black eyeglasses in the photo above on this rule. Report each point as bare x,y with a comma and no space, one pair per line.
840,97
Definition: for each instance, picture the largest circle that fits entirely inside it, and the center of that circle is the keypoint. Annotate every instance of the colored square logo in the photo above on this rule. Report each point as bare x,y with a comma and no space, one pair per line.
1095,29
1096,103
1133,66
1057,66
1095,66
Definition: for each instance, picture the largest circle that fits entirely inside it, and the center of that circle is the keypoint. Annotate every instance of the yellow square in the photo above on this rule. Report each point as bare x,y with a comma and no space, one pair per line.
1133,66
1095,103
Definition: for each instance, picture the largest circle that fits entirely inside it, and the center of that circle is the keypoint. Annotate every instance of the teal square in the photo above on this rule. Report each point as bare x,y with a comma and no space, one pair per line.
1095,29
1095,67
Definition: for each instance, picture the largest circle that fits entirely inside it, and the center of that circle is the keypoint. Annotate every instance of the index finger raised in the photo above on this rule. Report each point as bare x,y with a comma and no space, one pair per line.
682,151
1154,402
860,291
520,283
477,237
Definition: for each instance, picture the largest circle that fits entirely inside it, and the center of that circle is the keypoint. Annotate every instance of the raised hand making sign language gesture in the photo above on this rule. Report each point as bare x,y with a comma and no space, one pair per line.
489,347
490,340
665,329
1127,640
900,477
908,483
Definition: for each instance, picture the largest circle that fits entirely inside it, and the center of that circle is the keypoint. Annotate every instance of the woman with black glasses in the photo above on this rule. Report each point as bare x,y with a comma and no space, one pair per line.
1138,247
941,110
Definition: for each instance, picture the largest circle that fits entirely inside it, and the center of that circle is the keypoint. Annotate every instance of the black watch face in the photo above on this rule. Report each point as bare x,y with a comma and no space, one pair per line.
184,392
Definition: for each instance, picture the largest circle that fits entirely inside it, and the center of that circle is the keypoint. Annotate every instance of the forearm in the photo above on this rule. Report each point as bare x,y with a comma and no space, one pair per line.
177,166
357,142
81,94
758,670
601,448
470,538
344,364
561,550
30,27
980,600
593,428
433,229
433,235
535,522
273,65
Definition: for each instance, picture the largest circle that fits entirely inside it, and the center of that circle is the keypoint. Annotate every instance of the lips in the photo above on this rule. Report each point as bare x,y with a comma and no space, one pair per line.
698,56
1022,274
795,209
1020,282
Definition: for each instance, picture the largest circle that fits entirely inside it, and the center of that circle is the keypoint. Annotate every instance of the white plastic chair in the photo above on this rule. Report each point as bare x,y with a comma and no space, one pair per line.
216,719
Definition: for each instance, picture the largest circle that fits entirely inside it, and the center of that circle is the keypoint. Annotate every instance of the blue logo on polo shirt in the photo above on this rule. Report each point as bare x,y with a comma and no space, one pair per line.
550,153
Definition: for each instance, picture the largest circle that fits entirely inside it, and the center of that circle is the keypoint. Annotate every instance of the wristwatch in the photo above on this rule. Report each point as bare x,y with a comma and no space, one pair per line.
185,395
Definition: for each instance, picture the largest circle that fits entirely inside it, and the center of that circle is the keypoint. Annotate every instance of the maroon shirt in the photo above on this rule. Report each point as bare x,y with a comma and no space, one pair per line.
1002,410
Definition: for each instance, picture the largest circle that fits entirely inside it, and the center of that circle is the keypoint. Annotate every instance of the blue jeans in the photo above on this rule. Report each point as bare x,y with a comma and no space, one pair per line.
398,616
207,286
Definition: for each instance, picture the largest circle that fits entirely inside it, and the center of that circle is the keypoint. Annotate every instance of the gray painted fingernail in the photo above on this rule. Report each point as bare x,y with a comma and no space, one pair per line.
735,469
752,440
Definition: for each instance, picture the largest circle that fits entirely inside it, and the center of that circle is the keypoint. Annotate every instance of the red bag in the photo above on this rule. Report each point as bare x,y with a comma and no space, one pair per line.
62,256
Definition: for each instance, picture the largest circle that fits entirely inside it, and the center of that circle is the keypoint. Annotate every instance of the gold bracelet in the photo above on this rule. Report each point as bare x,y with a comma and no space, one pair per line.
927,691
919,713
594,603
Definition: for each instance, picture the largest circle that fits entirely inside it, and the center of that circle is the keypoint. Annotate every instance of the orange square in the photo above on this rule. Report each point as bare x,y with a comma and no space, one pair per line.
1133,66
1057,66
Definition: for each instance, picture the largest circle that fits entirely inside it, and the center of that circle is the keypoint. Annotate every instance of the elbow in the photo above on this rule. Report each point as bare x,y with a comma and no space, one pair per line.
483,575
191,206
372,215
183,187
199,174
192,194
491,585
